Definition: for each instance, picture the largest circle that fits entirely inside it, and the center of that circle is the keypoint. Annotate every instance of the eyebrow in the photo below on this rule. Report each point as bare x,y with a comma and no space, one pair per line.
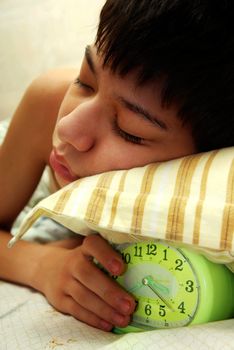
133,107
142,112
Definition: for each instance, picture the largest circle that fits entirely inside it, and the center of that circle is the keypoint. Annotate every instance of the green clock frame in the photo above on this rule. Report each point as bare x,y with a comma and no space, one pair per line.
174,287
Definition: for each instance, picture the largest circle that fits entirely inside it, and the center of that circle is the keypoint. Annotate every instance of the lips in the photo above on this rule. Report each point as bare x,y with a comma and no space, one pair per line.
58,165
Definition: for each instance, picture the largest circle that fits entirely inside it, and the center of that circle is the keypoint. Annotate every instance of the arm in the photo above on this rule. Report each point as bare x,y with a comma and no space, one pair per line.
65,273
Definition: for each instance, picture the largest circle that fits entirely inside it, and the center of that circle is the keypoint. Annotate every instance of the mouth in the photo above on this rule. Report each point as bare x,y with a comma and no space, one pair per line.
58,165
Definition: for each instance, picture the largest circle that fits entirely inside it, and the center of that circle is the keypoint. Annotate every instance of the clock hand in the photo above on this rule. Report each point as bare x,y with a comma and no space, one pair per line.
149,282
157,285
135,287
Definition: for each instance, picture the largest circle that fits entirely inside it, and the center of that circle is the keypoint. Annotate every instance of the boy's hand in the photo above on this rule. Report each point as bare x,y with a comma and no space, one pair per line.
74,285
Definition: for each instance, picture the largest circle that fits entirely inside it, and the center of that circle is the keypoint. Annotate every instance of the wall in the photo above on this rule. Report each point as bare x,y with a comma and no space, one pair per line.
38,35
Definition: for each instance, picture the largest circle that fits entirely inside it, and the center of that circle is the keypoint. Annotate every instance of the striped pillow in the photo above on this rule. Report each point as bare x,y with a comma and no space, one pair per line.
188,200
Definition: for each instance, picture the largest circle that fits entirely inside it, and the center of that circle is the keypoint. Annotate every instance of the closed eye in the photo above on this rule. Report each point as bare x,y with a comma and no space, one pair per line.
126,136
82,84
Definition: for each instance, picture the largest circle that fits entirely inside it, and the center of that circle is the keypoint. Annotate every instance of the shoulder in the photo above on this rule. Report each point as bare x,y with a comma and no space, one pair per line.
57,79
50,87
42,100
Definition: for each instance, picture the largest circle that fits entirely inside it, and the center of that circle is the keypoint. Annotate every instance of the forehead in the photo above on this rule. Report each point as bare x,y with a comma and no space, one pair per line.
96,64
147,94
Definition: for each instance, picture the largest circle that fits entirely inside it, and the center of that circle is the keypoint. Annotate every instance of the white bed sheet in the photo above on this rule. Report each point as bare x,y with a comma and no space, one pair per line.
28,322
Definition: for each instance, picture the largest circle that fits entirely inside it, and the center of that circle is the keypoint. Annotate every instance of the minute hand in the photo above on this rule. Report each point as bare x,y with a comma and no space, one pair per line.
149,282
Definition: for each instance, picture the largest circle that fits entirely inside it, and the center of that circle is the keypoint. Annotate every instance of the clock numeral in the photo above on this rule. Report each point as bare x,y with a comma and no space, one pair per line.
162,311
181,308
165,255
189,287
138,251
148,311
179,265
126,258
151,249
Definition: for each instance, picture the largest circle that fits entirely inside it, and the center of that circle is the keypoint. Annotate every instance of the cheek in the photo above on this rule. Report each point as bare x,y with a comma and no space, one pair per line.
122,156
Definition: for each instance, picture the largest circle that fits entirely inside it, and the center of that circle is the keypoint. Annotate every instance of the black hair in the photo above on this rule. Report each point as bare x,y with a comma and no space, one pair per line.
188,43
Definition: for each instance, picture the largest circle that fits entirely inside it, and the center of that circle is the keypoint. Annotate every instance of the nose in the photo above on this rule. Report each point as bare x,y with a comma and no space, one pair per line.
80,128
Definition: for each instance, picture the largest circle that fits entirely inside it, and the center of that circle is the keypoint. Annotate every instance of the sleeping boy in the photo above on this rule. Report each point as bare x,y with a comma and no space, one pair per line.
157,84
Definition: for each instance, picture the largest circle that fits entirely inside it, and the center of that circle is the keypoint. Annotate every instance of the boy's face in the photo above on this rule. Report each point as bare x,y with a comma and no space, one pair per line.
106,122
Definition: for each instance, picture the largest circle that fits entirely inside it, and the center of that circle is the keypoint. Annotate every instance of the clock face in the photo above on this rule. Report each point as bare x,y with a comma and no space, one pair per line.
163,283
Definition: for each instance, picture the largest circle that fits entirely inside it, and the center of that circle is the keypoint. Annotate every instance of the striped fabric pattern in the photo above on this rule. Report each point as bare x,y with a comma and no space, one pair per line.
188,201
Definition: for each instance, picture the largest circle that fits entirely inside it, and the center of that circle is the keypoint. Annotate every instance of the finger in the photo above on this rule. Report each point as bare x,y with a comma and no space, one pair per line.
91,302
71,307
104,286
97,247
68,243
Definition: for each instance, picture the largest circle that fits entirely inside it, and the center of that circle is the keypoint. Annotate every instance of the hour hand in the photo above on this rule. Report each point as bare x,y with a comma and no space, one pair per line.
157,288
149,280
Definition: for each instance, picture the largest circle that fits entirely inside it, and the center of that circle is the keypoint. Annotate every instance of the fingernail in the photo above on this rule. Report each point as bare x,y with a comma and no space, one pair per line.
125,305
118,319
115,266
106,326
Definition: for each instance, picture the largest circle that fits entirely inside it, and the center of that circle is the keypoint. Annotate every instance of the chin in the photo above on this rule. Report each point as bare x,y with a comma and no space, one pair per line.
60,181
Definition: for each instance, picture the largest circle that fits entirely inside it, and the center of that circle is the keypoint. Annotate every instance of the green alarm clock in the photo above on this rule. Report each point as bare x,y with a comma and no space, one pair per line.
174,287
